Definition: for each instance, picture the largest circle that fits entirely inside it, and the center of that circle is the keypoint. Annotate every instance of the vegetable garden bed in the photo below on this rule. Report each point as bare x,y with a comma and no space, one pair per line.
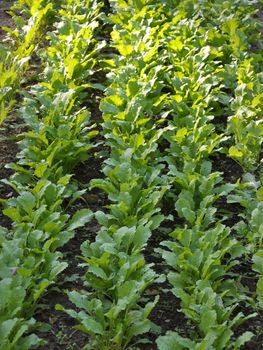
131,175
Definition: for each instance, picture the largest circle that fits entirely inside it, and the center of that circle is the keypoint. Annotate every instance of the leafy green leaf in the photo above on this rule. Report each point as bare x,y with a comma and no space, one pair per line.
79,219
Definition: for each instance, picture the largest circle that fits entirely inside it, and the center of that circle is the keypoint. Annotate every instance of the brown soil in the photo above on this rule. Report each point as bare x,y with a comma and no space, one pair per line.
8,151
8,130
5,19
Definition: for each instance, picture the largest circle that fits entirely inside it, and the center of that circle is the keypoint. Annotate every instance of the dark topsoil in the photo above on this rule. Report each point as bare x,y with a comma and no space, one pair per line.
10,129
166,314
5,19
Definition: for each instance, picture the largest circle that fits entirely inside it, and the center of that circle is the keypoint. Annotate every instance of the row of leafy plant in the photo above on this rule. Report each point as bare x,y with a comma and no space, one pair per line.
111,309
203,251
179,71
59,136
30,19
210,92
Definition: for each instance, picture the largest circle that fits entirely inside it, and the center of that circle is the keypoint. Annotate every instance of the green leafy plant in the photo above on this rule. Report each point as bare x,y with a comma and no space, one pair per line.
42,181
14,62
